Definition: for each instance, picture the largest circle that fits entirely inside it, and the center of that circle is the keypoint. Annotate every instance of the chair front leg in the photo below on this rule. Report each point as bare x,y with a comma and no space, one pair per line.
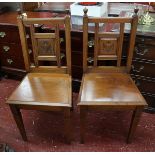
19,121
67,125
134,122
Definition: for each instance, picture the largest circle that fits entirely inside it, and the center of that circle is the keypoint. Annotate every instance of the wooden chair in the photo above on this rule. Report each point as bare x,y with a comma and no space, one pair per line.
45,87
109,87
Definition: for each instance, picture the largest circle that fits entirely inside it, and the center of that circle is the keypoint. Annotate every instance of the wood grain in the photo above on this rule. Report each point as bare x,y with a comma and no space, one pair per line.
46,88
109,87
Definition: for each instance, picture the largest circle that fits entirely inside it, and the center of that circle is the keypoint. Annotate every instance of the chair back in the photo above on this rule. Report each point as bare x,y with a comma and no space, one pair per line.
45,46
108,43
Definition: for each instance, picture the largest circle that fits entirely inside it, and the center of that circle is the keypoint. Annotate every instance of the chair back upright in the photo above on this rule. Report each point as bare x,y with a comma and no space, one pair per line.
45,46
108,45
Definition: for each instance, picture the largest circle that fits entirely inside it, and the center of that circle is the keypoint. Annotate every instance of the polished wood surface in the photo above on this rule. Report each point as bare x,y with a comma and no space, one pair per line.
110,89
46,87
107,87
43,89
143,53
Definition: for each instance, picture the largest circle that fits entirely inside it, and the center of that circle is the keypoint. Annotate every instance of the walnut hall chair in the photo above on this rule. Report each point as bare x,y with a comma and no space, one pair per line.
47,86
109,86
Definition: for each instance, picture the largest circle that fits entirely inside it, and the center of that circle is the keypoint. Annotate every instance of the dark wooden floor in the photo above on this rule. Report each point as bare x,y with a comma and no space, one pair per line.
106,130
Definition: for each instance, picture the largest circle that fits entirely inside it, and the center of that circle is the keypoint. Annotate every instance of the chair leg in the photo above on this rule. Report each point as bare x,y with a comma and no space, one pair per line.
72,108
134,122
67,125
82,124
18,119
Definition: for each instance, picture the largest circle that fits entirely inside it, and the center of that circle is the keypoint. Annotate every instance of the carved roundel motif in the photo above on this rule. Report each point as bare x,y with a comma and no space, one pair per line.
107,46
46,46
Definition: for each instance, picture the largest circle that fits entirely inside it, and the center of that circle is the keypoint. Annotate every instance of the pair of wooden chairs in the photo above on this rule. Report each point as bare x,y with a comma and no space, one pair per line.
103,87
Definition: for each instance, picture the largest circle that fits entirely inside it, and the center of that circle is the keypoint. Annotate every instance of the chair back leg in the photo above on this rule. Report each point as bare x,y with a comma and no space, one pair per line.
67,125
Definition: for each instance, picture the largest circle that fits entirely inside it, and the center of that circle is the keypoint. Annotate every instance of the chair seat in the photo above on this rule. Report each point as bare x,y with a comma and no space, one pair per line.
43,89
110,89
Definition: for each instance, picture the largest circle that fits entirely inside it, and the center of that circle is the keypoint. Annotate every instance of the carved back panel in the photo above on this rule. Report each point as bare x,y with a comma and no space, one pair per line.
46,46
108,44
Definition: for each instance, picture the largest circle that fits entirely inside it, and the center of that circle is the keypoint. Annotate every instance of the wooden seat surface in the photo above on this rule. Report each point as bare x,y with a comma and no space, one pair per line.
43,89
110,89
